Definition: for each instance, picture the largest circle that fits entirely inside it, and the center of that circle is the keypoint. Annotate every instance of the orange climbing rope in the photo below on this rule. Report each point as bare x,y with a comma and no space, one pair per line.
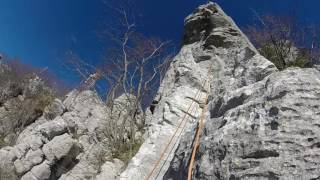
174,134
196,142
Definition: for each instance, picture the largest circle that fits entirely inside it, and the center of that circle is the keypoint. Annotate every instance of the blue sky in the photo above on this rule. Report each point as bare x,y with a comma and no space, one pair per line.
39,32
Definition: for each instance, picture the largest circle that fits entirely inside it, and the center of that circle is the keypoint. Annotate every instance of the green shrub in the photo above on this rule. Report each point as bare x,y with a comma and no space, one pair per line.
22,100
269,52
282,61
302,60
3,143
127,151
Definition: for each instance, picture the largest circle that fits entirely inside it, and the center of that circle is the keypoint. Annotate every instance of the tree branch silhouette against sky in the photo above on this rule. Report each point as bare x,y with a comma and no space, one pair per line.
39,32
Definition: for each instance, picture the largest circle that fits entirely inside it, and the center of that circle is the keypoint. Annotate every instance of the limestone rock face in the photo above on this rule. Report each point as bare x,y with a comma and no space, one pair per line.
269,131
261,124
56,108
214,48
65,143
110,170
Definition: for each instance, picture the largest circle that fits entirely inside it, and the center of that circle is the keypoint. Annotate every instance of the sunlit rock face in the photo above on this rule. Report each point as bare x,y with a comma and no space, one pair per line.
67,142
266,130
57,142
214,51
261,123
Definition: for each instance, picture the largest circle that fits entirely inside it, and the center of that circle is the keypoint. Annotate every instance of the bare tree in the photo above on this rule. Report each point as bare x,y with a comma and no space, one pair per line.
284,41
25,71
23,98
133,67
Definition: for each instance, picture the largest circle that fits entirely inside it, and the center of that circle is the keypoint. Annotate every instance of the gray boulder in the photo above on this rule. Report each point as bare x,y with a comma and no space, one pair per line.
65,147
7,169
58,147
56,108
110,170
40,172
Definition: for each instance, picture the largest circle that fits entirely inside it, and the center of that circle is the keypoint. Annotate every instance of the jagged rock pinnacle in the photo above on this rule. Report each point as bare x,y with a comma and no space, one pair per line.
260,123
214,50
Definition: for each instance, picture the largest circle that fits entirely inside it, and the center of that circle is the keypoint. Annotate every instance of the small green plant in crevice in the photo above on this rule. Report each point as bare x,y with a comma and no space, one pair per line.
3,143
101,156
127,151
124,152
269,52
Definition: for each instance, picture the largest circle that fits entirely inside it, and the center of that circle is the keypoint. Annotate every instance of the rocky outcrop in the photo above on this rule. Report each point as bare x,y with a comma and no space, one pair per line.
54,109
262,124
66,142
214,50
272,134
22,101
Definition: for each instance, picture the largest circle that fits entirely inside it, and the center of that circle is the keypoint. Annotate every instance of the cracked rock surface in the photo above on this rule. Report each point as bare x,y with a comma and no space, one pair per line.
262,124
62,144
214,51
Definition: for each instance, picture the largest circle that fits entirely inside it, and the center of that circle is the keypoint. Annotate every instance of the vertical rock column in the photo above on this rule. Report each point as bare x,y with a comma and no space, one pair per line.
263,124
213,49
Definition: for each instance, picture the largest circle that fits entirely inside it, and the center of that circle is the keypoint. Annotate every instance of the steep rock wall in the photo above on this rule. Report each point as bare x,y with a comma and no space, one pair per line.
262,124
214,50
